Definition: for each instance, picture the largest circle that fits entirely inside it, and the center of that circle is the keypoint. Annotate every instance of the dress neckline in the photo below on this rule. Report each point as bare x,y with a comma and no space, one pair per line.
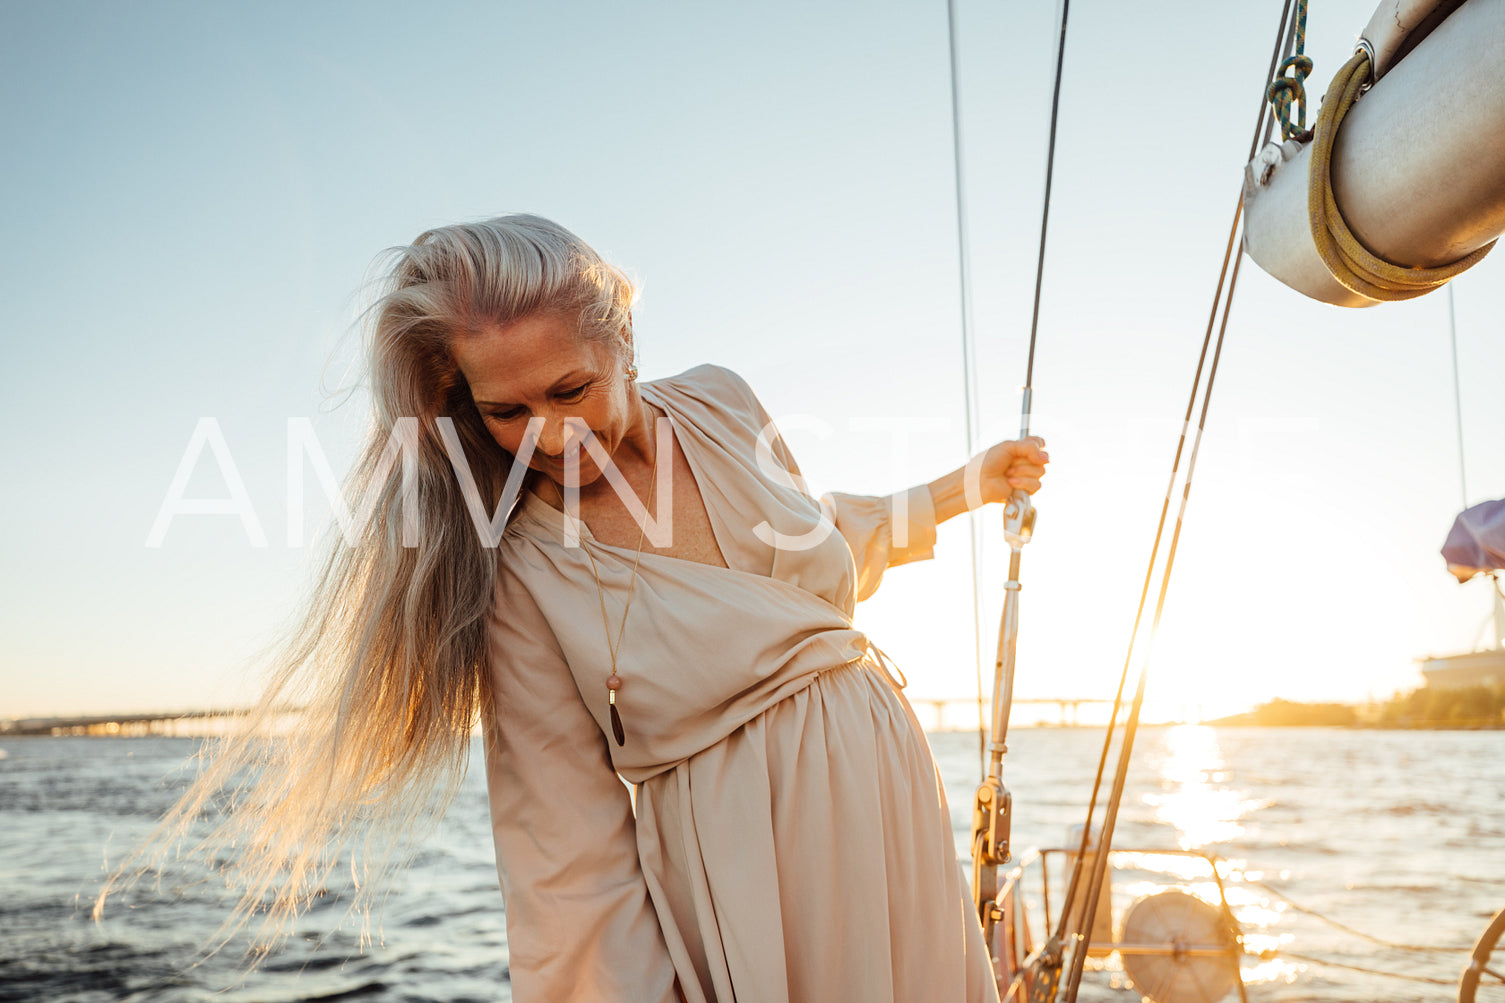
554,519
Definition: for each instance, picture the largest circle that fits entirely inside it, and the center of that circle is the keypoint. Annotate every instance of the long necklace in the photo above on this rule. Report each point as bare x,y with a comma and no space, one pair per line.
614,681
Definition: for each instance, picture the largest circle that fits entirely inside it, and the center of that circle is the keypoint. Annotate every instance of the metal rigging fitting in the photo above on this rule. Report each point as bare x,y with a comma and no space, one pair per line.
993,809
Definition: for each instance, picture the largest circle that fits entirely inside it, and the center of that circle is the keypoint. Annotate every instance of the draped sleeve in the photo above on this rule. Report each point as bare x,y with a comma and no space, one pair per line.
580,926
881,530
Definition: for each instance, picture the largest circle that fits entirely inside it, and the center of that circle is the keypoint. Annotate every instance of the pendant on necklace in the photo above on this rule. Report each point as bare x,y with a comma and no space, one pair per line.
613,683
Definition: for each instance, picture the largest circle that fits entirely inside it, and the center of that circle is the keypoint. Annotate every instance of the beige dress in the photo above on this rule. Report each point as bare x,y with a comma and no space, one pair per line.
791,840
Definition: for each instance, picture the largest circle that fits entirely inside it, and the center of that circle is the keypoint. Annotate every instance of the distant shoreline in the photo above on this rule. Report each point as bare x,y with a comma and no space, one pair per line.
1471,708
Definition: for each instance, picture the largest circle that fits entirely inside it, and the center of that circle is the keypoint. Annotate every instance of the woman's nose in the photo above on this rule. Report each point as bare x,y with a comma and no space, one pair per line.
557,435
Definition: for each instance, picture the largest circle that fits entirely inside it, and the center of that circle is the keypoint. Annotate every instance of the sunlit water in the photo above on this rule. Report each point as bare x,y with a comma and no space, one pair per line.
1397,834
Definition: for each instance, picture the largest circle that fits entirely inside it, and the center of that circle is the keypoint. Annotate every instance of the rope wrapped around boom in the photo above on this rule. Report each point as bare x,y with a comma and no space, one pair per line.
1351,263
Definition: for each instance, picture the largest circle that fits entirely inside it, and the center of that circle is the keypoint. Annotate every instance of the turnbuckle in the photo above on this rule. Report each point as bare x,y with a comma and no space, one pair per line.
1018,519
992,816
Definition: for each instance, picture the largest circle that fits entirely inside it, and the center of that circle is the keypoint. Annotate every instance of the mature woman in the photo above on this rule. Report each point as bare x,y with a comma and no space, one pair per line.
663,604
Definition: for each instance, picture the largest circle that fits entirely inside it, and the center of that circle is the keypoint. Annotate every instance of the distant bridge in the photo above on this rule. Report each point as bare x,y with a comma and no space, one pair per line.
183,722
940,720
201,722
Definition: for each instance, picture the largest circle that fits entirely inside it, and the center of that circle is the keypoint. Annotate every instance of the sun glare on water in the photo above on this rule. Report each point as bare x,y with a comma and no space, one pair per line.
1196,797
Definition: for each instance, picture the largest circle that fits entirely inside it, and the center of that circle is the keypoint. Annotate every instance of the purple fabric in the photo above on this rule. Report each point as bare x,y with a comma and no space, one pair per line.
1477,539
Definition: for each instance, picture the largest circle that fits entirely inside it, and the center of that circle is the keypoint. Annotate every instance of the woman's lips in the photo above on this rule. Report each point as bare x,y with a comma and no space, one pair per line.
557,463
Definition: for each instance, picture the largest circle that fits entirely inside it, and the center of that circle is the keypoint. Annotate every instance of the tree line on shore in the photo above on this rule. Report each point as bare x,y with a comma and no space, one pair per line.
1427,707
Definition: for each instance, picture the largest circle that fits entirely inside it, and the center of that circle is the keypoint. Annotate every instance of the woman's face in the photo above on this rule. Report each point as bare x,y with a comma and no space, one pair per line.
540,367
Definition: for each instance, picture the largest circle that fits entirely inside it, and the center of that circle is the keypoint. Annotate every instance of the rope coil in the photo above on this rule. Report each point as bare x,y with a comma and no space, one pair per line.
1353,265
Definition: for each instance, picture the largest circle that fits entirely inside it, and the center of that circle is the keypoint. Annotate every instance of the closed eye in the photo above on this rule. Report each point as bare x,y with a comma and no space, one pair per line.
513,413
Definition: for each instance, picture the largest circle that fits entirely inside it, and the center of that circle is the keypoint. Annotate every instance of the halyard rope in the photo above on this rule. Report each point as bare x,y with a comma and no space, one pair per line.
1284,91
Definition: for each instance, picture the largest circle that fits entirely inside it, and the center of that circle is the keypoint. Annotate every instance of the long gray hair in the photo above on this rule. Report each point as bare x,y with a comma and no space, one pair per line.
361,737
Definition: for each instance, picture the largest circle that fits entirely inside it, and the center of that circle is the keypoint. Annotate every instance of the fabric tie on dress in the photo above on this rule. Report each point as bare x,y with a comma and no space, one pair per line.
880,657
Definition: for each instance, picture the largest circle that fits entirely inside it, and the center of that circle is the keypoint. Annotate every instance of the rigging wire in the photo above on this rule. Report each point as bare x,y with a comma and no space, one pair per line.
1003,700
1434,949
1426,979
1131,722
1263,124
1050,164
1393,944
1170,488
969,357
992,815
1495,576
1457,397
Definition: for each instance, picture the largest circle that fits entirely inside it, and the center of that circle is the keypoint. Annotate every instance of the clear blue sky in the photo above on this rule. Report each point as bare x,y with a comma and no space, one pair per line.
194,192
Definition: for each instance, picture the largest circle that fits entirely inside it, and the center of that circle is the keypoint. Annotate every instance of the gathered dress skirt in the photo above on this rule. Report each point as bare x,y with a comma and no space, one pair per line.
810,857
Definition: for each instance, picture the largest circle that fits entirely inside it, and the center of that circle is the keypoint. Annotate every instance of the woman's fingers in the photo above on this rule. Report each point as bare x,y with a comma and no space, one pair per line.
1027,466
1013,465
1032,448
1012,451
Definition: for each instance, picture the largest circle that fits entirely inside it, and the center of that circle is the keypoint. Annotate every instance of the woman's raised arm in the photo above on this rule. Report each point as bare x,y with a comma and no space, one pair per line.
994,474
887,530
